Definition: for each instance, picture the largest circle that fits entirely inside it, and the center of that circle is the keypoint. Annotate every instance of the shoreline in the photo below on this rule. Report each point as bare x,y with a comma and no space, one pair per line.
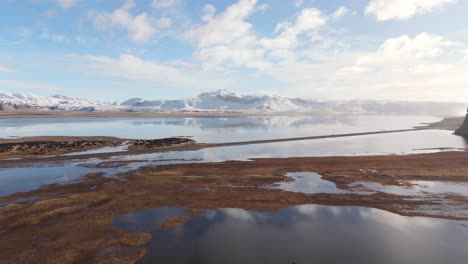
200,114
45,157
39,226
81,213
52,148
5,159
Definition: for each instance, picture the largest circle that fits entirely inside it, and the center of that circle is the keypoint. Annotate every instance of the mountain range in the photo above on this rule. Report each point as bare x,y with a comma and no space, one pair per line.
224,100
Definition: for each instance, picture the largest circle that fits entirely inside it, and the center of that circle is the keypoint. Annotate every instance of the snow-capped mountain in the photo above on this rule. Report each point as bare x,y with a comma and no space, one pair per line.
224,100
17,101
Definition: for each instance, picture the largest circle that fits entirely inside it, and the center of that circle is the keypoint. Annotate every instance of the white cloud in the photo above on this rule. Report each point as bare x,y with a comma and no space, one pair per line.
53,37
339,13
299,3
263,7
7,69
227,39
225,27
134,68
302,54
179,75
424,67
66,4
29,85
141,28
164,22
307,23
208,12
402,9
165,4
404,49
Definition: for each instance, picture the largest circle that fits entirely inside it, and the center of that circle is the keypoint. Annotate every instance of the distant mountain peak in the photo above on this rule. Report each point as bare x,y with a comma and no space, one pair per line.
220,92
226,100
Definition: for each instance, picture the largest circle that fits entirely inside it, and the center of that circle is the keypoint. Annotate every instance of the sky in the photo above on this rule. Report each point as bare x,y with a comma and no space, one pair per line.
158,49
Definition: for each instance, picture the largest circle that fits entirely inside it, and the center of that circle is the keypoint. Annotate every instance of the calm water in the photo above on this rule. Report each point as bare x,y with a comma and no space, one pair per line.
312,183
207,129
22,179
302,234
25,179
418,188
307,182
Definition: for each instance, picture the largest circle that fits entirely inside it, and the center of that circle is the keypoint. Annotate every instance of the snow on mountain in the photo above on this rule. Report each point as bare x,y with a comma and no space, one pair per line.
227,100
131,102
17,101
224,100
220,100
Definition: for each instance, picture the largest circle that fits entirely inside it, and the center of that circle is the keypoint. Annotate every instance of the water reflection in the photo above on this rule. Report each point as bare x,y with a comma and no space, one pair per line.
312,183
23,179
29,178
207,129
302,234
418,188
307,182
383,144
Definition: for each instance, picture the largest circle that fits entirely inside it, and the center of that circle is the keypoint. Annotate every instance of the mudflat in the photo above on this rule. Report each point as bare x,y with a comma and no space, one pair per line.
72,223
81,213
40,147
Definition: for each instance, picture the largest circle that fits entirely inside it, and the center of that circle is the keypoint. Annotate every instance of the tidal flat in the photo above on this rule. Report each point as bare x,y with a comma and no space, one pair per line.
182,200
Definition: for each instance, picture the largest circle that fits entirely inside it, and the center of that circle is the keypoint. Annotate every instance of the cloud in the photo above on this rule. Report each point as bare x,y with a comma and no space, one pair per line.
30,85
164,22
141,28
403,9
407,50
339,13
208,12
53,37
228,40
307,23
165,4
7,69
167,75
66,4
299,3
422,67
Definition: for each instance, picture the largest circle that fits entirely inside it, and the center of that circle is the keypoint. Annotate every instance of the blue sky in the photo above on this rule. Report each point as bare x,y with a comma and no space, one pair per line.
334,49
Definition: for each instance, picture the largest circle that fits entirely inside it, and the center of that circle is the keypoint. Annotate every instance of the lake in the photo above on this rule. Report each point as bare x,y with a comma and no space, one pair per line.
207,129
221,130
301,234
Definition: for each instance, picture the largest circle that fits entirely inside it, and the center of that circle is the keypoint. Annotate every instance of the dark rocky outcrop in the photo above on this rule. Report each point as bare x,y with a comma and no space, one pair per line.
14,107
463,130
36,148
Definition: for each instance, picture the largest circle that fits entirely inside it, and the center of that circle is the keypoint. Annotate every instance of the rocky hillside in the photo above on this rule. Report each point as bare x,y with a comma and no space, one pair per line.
463,130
